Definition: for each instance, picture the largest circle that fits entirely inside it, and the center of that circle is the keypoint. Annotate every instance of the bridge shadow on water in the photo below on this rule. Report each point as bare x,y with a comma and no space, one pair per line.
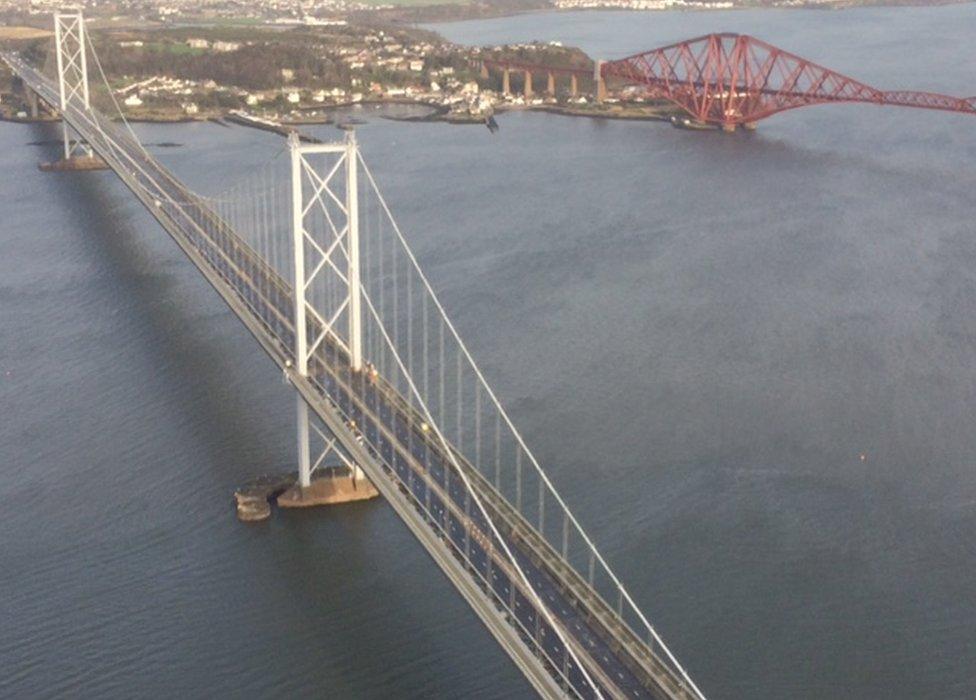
152,293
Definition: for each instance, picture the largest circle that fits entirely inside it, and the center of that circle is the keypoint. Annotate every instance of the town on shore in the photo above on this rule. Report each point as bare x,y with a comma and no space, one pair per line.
290,74
287,62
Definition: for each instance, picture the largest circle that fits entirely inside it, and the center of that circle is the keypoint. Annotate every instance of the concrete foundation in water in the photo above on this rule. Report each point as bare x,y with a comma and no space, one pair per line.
74,164
330,486
338,485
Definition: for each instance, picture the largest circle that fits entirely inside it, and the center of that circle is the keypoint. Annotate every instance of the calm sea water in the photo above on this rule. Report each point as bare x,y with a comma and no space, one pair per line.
700,335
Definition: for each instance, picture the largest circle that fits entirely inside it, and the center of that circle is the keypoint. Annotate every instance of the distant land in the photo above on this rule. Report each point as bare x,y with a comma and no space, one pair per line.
425,11
283,12
274,76
272,65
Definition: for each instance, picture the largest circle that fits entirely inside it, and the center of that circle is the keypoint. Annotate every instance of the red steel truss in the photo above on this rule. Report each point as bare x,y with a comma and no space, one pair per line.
731,79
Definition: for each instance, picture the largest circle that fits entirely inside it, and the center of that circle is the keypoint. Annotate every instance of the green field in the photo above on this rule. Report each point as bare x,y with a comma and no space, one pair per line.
23,33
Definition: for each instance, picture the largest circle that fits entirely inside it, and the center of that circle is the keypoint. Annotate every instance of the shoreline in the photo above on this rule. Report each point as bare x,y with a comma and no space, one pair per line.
438,114
415,16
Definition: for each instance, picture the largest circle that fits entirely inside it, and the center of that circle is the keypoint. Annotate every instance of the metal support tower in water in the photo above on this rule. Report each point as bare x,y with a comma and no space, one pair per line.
332,236
69,39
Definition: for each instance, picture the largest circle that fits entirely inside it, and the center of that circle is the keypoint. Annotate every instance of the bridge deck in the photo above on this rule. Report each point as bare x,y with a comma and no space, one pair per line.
374,422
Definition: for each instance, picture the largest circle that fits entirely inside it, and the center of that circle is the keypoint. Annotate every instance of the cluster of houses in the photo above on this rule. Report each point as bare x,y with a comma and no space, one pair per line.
374,50
458,96
134,95
644,4
217,46
381,67
271,11
382,50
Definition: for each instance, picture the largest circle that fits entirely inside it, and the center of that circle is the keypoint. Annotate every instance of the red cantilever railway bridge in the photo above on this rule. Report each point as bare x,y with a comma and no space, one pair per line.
733,79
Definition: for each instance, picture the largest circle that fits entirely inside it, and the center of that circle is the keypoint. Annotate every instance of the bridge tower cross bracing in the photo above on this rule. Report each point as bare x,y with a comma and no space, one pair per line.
69,37
325,229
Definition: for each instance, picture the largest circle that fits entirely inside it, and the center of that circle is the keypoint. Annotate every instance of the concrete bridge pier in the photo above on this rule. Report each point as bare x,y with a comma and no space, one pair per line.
601,86
30,97
528,85
506,82
32,102
573,85
551,84
484,70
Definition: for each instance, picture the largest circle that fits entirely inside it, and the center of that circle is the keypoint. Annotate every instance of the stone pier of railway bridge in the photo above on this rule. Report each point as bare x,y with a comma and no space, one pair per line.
552,75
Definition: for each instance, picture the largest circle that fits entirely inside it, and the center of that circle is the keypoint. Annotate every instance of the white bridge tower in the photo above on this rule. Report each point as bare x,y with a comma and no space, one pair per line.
69,37
325,243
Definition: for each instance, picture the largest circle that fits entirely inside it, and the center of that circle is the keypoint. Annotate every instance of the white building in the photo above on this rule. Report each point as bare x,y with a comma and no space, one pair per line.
293,97
133,101
319,22
198,43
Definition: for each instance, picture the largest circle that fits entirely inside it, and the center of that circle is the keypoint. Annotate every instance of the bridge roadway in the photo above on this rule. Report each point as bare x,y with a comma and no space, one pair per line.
381,429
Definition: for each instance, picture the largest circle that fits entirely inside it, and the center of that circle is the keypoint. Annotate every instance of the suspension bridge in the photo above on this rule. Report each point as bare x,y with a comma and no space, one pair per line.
307,254
729,80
